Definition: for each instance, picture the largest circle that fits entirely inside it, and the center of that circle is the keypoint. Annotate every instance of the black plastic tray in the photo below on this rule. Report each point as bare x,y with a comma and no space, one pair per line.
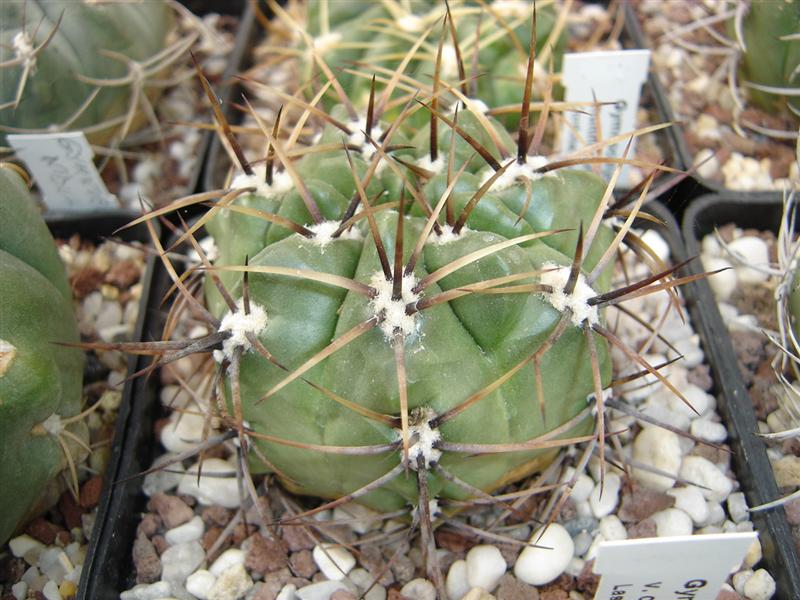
678,140
218,161
750,456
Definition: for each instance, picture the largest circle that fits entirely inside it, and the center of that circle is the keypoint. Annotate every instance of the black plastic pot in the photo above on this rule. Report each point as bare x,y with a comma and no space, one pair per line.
678,140
750,456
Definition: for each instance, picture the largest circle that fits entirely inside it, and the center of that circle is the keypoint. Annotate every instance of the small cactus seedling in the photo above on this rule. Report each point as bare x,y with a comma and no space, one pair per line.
42,434
83,65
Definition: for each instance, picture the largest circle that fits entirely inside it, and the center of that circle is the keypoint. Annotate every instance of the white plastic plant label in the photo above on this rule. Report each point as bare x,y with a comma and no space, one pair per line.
62,166
686,567
614,78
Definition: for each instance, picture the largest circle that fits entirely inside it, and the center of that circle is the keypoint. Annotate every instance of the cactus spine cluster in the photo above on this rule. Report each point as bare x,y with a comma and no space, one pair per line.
42,436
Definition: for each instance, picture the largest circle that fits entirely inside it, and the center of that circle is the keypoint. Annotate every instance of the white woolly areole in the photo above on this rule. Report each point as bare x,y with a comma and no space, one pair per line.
323,233
476,105
449,61
515,171
446,236
7,353
326,42
394,311
556,277
511,8
359,139
281,182
23,48
424,439
410,23
434,166
53,424
240,324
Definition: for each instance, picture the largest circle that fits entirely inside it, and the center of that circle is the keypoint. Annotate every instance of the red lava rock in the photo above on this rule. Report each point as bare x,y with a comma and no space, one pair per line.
511,588
70,510
43,530
297,538
587,581
190,501
172,510
264,555
240,533
642,529
792,509
554,594
85,281
160,544
149,525
343,595
701,377
216,515
394,594
715,455
146,560
302,563
123,274
372,560
210,538
90,492
11,568
455,541
641,503
728,595
63,538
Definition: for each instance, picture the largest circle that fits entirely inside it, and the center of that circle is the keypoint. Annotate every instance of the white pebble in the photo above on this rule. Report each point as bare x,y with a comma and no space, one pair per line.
359,518
50,591
20,590
363,580
212,488
199,583
700,471
188,532
737,507
231,584
321,590
603,499
183,432
672,521
708,430
334,561
716,514
163,480
754,555
583,509
419,589
582,488
288,592
723,283
657,243
226,560
753,253
575,566
456,584
696,397
740,579
148,591
612,529
690,500
537,566
660,449
23,544
485,567
180,561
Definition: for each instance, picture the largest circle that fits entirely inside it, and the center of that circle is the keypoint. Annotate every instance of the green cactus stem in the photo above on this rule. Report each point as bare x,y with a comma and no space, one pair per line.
81,65
42,436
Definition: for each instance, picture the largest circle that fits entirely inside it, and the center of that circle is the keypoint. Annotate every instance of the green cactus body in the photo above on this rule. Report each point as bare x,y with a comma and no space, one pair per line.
40,381
451,351
53,92
769,60
380,38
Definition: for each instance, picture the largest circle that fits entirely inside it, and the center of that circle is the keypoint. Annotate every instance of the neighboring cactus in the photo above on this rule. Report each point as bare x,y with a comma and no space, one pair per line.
42,436
769,39
68,65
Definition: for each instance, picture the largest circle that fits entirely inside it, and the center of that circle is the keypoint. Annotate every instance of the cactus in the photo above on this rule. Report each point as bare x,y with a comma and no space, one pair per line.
81,65
42,436
407,326
767,33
